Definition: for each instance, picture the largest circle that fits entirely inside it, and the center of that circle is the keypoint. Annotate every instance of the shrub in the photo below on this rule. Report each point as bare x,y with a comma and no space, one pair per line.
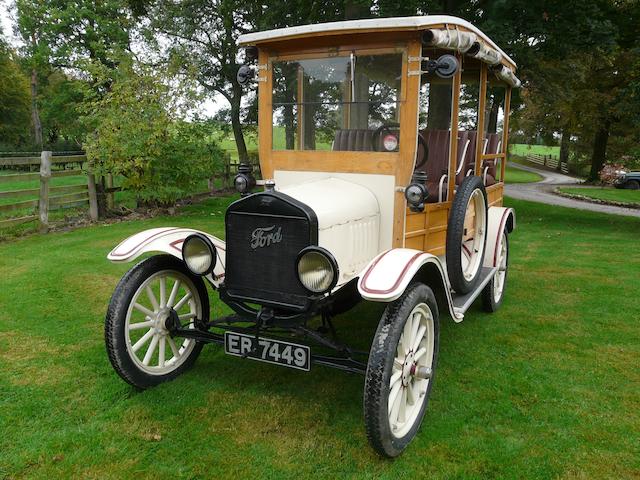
611,172
139,136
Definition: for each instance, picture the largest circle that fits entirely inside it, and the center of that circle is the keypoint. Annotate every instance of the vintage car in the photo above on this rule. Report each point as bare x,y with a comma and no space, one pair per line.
382,148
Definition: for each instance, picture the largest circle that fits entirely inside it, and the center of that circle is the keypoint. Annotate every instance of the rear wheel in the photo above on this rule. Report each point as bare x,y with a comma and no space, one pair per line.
400,370
493,293
466,235
149,297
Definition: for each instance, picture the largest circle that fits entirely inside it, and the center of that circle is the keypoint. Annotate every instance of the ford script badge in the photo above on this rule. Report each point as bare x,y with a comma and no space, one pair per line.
263,237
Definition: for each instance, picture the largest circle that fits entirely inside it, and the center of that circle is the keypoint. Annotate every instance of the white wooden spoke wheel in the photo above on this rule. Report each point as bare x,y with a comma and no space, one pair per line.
400,370
149,297
467,235
412,367
148,341
473,236
493,293
501,274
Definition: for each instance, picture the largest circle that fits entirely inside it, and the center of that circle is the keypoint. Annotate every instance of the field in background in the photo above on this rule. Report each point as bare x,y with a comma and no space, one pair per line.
545,388
522,149
608,194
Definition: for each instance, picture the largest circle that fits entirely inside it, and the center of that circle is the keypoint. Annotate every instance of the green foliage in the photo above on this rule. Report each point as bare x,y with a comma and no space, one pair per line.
14,101
139,136
60,101
68,34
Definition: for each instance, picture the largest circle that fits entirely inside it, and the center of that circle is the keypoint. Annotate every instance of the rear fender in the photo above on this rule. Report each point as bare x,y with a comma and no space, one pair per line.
498,220
388,275
166,240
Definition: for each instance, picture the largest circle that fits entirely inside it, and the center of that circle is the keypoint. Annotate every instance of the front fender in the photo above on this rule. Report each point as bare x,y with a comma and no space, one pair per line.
166,240
388,275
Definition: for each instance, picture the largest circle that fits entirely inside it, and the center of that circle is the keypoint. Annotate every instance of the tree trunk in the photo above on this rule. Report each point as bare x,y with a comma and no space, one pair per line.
289,127
492,118
439,113
599,150
238,135
565,143
35,114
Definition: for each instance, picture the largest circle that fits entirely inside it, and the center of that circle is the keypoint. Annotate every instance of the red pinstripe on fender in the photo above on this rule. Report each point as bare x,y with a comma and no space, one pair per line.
503,220
398,281
153,236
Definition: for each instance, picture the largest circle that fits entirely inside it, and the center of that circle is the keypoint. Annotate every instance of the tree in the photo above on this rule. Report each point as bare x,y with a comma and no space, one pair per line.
14,100
202,37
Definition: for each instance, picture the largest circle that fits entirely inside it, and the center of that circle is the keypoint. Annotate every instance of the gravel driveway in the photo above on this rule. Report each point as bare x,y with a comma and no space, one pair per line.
542,192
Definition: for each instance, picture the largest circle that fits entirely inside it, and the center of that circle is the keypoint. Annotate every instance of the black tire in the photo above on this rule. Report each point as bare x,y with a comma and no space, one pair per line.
115,322
489,302
380,366
456,231
632,185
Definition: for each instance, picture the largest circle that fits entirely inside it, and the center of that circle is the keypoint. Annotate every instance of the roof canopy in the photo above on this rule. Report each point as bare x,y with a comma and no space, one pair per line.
442,31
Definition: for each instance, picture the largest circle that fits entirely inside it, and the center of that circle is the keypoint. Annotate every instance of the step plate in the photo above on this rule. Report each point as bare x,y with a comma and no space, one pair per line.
461,303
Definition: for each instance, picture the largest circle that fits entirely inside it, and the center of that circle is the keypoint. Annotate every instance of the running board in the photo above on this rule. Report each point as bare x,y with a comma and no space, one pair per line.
461,303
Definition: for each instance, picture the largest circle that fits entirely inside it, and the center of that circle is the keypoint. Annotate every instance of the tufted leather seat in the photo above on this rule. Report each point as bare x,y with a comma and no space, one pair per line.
468,162
489,168
353,140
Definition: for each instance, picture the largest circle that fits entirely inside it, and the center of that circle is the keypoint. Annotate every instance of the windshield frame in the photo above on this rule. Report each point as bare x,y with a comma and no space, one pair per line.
383,163
350,53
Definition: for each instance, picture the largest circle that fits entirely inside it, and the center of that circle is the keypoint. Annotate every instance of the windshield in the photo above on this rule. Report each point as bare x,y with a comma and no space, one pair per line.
337,103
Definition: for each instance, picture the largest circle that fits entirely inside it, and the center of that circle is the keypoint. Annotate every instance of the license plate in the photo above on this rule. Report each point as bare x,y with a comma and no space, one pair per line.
268,350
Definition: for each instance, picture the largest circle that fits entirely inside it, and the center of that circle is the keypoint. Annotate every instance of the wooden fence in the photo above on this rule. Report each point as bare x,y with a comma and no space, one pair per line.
96,197
49,197
547,161
230,169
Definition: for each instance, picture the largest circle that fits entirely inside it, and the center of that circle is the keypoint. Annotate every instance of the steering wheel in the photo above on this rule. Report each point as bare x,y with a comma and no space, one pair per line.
377,135
422,156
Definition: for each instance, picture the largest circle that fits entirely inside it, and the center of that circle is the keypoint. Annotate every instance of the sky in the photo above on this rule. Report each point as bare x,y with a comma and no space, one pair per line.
6,22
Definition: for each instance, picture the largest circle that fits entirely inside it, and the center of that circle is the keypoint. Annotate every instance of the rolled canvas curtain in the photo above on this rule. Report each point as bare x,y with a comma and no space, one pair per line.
506,75
451,39
467,42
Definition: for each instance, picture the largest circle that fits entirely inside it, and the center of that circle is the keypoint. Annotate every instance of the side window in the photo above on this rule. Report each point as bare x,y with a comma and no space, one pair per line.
436,103
469,102
494,129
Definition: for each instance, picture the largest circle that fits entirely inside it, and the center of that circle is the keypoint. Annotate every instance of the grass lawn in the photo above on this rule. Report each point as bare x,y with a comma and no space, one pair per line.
608,194
548,387
516,175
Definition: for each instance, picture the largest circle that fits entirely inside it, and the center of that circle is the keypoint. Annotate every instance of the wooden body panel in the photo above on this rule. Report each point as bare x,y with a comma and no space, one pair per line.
494,195
427,230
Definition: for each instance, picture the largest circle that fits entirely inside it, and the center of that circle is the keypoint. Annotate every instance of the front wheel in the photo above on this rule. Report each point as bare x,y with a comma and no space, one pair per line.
137,337
400,370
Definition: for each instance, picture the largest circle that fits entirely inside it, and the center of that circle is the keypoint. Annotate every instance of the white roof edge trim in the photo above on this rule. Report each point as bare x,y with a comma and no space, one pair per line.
417,23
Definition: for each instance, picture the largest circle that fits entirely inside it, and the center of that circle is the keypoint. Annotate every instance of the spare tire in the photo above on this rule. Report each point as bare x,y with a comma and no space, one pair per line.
467,235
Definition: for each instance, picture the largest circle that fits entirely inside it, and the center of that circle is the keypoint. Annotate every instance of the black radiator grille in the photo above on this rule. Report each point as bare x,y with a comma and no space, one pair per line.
264,234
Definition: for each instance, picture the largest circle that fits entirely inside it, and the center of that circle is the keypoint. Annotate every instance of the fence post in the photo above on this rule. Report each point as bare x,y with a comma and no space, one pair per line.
43,203
93,196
